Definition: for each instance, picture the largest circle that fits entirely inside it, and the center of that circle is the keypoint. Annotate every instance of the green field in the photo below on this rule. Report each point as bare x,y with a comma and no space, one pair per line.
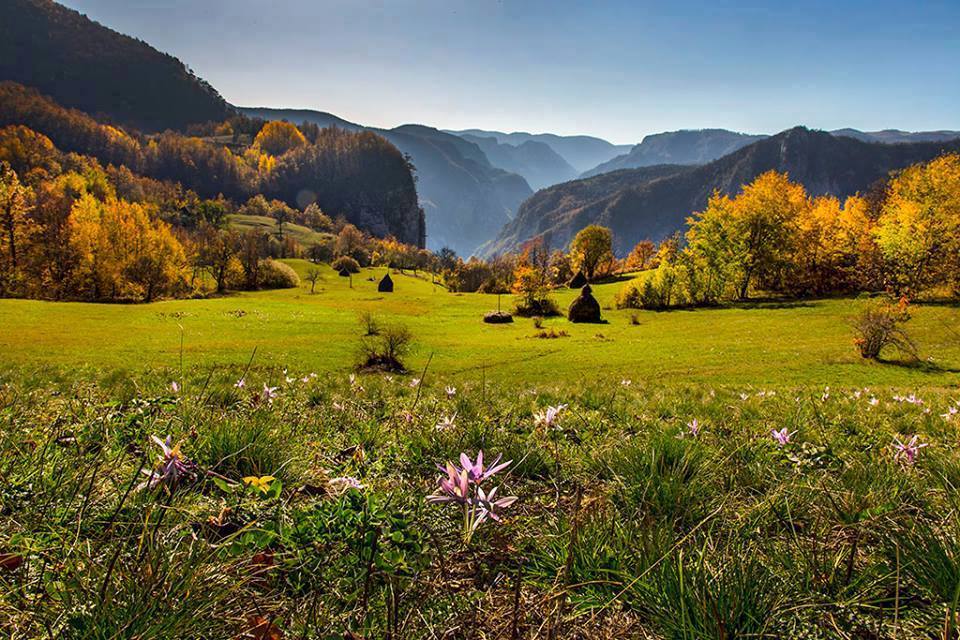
304,236
803,343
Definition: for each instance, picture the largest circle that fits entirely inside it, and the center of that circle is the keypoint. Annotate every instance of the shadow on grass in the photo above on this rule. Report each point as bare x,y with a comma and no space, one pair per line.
924,366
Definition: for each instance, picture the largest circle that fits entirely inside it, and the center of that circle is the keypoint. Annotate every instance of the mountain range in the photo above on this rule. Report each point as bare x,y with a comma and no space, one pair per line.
653,202
581,152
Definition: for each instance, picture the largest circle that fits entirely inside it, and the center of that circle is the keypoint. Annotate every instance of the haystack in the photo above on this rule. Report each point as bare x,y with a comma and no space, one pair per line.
386,284
344,273
585,308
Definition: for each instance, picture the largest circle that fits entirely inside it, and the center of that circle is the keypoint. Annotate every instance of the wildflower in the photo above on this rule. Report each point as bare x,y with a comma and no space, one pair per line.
950,414
174,387
408,417
172,466
873,402
415,383
548,417
259,484
826,394
338,406
353,379
289,380
475,470
388,378
240,384
344,483
488,506
450,391
694,427
305,379
782,436
626,382
454,488
907,452
268,393
744,397
447,423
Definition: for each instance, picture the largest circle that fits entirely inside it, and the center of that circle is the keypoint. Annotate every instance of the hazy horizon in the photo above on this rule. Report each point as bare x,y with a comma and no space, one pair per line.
616,70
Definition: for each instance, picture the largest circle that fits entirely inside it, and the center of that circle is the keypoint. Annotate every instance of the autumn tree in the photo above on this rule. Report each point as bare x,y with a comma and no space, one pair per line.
592,251
531,281
278,137
918,231
641,256
15,204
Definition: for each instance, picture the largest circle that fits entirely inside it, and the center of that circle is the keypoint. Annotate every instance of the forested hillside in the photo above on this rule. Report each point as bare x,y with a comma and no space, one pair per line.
638,204
114,77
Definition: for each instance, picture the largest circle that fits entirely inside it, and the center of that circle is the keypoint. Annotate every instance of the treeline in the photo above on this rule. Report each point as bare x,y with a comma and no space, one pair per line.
359,176
773,238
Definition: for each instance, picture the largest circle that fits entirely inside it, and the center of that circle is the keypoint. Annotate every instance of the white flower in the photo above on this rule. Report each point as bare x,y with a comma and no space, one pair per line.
873,401
240,384
950,414
268,393
339,485
415,383
450,391
548,418
626,382
447,423
175,387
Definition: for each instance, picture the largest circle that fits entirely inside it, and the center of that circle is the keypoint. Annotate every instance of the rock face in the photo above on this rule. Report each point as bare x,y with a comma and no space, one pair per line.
386,284
578,281
585,308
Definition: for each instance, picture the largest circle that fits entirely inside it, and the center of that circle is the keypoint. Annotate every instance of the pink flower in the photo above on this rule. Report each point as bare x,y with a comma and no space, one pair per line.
240,384
907,452
451,392
694,427
174,387
454,488
548,418
782,436
268,393
488,506
476,471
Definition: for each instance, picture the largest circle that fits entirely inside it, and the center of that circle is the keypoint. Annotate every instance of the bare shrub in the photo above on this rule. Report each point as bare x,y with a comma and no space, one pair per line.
369,324
880,325
386,350
538,322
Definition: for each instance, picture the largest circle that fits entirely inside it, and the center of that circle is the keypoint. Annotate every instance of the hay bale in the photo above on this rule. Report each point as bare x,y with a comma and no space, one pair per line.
498,317
585,308
386,284
577,281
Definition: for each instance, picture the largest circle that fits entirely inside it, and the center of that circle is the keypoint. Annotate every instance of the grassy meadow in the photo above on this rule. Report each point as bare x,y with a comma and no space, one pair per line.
738,472
786,344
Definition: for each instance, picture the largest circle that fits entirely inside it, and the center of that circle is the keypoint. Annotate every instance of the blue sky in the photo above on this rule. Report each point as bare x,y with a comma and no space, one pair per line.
618,69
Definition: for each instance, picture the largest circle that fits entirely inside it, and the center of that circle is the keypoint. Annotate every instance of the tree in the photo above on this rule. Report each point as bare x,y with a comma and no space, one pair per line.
15,204
217,253
531,281
313,275
351,242
641,256
277,138
918,231
592,251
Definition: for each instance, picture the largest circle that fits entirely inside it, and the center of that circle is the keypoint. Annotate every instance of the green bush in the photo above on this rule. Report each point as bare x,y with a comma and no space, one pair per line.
277,275
346,262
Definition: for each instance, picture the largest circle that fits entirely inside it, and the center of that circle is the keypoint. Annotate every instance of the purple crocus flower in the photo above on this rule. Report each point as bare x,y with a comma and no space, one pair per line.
694,427
907,452
475,470
548,417
782,436
268,393
488,505
454,488
172,466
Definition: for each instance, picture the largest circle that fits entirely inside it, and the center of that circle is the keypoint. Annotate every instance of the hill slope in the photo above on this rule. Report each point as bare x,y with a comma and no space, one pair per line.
465,198
893,136
654,202
537,162
678,147
84,65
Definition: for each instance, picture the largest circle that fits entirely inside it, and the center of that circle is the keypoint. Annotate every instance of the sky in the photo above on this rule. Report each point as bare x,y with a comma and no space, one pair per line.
616,69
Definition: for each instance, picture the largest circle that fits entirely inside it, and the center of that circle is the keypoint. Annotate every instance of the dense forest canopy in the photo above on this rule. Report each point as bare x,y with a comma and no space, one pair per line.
359,176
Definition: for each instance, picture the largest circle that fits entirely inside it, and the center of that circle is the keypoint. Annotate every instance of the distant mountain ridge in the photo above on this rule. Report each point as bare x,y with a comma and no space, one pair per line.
537,162
580,152
87,66
896,136
687,146
466,199
654,202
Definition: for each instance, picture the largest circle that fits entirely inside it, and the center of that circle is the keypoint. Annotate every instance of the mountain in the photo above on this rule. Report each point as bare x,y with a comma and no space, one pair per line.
654,202
537,162
678,147
465,198
581,152
892,136
84,65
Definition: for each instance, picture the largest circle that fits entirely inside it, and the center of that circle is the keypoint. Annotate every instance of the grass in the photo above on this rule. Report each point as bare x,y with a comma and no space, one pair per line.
305,236
627,524
781,344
